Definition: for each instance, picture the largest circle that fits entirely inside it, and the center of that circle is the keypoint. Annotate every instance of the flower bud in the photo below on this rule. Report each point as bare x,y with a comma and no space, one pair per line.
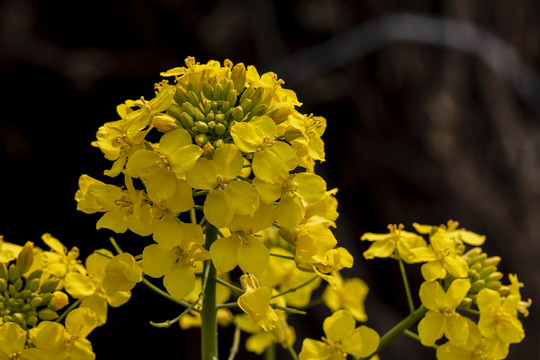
258,110
4,274
237,113
31,321
201,127
36,301
13,273
246,95
218,91
26,257
47,315
193,98
238,77
492,261
220,129
225,106
208,90
58,301
3,285
201,139
165,123
486,271
180,96
477,286
49,285
186,120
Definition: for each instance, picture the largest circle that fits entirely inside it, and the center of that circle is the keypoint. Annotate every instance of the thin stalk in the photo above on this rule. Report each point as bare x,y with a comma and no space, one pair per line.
165,294
270,352
235,344
287,309
282,256
406,284
168,323
400,328
234,288
71,307
292,352
296,287
209,328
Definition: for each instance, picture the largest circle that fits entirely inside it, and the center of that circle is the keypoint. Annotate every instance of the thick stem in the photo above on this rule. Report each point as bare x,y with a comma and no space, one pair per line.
209,328
400,328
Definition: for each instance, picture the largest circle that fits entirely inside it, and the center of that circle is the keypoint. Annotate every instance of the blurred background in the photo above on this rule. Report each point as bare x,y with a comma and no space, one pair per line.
433,112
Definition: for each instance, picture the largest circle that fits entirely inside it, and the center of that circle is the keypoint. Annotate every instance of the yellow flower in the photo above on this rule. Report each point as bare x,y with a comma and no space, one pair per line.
442,259
348,294
304,134
243,247
122,273
498,316
227,195
68,342
13,344
175,260
342,338
159,169
8,251
452,232
256,302
282,274
59,261
442,317
398,243
476,347
272,158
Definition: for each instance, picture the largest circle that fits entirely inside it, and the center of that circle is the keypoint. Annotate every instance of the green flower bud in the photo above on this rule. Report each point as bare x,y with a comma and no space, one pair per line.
218,91
180,96
26,307
477,286
210,117
231,124
208,90
190,109
225,106
207,107
220,129
32,284
19,283
246,105
3,284
14,273
200,117
232,97
165,122
211,125
36,301
258,110
201,127
227,87
257,96
49,285
31,321
186,120
201,139
47,315
218,143
174,110
479,259
12,291
497,275
493,285
237,113
220,118
26,257
492,261
465,304
246,94
26,293
238,77
193,98
4,274
36,274
486,271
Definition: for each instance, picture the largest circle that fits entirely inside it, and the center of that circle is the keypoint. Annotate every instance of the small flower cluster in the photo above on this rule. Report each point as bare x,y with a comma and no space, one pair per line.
225,148
460,285
36,287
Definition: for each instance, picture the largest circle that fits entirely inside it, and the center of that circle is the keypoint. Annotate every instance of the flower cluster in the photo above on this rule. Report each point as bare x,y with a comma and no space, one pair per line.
222,147
463,297
36,287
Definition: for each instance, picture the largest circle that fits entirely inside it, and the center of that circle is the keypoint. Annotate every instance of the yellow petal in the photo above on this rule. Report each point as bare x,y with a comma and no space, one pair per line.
157,261
217,209
431,328
224,253
253,256
180,280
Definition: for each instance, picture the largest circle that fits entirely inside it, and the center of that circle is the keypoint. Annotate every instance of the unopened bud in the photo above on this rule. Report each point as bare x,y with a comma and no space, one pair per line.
165,123
477,286
201,127
26,257
4,274
201,139
465,304
186,120
497,275
208,90
258,110
3,285
180,96
47,315
218,91
208,150
36,301
220,129
193,98
13,273
479,259
220,118
49,285
492,261
207,107
493,285
280,112
238,77
58,301
237,113
31,321
218,143
486,271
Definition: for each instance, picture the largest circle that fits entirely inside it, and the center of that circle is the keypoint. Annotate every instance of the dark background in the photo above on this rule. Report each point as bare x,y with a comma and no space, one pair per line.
433,113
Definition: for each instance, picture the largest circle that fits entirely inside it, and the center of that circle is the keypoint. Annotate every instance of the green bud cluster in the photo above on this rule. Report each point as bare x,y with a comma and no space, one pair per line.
25,299
483,272
208,112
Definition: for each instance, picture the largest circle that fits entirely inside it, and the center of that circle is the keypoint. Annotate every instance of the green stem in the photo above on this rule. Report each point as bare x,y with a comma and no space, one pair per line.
400,328
234,288
71,307
282,256
296,287
292,352
270,352
407,288
165,294
168,323
287,309
235,344
209,329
